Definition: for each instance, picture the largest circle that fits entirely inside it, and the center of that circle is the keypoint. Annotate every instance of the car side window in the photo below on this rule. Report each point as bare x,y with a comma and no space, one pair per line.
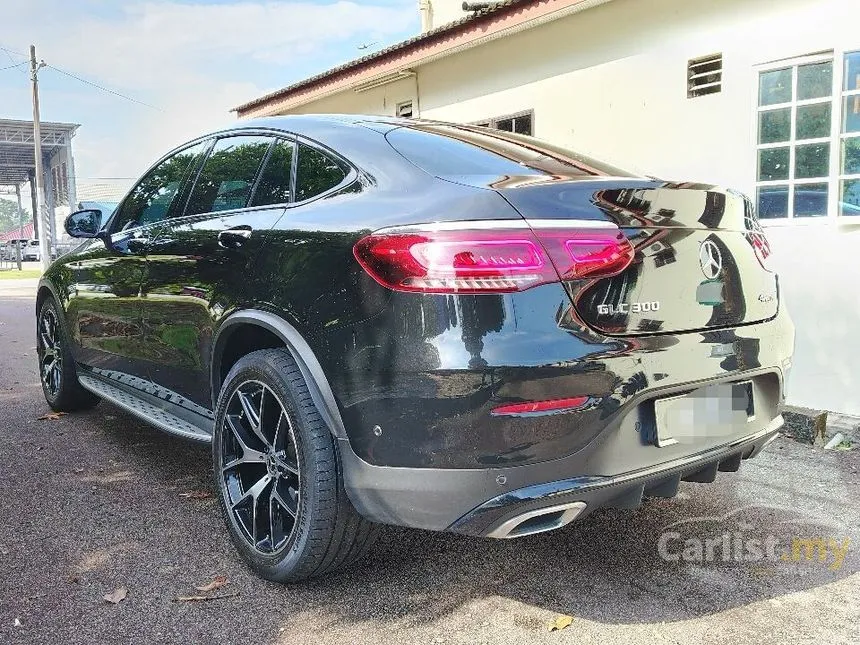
151,199
228,174
275,185
316,172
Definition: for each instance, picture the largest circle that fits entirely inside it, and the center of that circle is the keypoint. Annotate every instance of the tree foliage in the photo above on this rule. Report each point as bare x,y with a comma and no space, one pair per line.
9,216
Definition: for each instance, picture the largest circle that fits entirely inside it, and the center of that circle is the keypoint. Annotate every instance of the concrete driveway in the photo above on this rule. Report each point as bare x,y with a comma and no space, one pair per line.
93,502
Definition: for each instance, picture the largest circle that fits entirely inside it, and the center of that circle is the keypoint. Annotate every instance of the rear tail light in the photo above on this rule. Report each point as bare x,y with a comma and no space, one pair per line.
762,249
538,408
490,260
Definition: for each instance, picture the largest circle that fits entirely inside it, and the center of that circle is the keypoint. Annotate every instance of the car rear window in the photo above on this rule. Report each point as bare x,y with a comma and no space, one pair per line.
450,150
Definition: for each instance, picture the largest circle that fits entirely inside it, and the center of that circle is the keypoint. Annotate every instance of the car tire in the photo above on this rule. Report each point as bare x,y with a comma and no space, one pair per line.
300,524
57,371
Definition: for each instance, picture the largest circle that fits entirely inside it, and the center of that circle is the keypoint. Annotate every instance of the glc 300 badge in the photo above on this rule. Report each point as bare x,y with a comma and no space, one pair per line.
629,308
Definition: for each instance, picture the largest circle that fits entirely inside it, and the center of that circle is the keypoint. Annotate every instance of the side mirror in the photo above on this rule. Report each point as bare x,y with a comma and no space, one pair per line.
84,224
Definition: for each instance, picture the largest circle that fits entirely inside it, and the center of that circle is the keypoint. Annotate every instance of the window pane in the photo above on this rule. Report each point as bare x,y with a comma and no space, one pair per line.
774,125
449,151
851,114
774,87
811,160
810,200
813,121
523,124
851,156
773,164
772,202
151,199
505,124
850,202
228,174
274,184
316,173
852,71
814,81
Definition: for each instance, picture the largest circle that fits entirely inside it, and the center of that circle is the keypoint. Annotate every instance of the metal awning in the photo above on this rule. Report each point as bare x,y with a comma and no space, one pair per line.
16,146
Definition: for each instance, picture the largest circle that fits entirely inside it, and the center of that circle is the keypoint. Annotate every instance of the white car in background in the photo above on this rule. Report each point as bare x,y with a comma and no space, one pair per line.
10,251
32,252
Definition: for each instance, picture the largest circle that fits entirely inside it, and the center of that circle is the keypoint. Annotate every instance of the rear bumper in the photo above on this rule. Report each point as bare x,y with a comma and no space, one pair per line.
423,449
492,502
533,509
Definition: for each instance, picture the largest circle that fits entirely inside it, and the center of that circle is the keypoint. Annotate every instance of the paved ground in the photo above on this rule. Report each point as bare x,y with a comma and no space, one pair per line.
92,502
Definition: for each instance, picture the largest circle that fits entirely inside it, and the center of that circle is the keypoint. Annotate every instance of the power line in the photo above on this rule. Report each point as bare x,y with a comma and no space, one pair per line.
13,66
102,88
10,52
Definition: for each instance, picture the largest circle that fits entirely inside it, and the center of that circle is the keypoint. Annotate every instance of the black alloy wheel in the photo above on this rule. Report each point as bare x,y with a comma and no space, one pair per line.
50,352
57,371
261,474
277,471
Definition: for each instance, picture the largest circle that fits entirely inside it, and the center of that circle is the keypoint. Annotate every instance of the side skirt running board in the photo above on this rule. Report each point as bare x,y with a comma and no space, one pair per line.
144,410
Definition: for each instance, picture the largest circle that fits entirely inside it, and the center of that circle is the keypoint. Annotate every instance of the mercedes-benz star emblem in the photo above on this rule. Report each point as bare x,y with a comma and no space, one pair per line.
710,259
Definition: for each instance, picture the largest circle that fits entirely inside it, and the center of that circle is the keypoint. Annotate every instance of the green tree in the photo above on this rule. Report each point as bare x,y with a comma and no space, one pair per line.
9,216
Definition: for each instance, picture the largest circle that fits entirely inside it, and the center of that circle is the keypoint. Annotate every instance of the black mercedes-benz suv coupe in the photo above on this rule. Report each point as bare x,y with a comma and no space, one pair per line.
387,321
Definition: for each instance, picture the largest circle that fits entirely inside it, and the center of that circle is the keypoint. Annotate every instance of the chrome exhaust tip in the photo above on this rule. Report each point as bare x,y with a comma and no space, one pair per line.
538,521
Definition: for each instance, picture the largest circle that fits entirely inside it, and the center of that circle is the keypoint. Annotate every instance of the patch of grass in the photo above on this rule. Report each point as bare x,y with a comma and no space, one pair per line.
15,274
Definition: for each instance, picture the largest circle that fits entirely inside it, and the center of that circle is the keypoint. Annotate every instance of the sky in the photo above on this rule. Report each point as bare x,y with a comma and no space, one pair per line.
194,60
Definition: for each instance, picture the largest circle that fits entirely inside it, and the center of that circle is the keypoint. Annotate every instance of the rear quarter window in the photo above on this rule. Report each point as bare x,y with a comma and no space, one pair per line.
317,172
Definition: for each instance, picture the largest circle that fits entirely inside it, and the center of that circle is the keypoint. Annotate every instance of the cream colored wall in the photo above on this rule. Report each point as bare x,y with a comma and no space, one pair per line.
380,100
611,82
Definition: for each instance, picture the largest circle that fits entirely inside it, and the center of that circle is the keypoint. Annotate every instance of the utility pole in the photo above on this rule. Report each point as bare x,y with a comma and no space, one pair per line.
20,220
42,215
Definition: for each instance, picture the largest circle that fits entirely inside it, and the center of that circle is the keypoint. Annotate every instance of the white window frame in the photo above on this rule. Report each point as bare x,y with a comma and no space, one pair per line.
836,57
842,136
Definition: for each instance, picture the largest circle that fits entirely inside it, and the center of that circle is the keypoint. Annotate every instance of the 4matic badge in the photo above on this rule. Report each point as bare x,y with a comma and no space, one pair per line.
629,308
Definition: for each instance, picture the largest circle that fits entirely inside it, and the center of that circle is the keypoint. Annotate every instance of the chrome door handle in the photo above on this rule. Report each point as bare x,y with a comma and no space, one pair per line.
235,237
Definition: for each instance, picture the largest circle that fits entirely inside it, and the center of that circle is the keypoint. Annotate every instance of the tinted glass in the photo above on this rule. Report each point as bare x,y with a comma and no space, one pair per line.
852,71
445,151
851,156
814,81
772,202
316,173
811,160
850,201
773,164
774,87
774,125
228,174
274,185
813,121
810,200
851,114
152,198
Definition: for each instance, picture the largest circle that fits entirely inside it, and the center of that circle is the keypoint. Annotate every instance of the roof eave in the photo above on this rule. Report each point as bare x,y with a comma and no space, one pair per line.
434,45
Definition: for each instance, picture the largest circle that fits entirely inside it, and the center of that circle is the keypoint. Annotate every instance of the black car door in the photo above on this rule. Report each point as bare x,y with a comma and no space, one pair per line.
104,314
200,265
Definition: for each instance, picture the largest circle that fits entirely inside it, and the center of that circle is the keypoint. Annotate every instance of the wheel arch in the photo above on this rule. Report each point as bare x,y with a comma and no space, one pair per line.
289,336
45,290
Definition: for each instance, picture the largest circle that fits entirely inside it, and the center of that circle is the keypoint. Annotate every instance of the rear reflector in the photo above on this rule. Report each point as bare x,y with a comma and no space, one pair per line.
554,406
490,261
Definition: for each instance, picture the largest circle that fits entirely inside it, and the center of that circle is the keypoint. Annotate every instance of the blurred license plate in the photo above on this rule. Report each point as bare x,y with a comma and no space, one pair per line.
712,411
